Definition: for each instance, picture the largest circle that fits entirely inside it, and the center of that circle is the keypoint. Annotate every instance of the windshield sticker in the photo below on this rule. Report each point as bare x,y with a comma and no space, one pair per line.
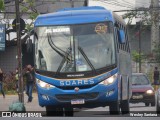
101,28
57,30
82,68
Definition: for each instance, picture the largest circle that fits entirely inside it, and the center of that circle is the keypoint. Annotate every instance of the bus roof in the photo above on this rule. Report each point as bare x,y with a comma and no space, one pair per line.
75,16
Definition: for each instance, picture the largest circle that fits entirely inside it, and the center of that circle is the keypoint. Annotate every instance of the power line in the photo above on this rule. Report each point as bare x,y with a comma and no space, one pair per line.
115,4
127,2
142,9
124,3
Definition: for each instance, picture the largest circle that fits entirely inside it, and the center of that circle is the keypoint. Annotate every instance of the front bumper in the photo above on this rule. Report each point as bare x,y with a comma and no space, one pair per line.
142,97
98,95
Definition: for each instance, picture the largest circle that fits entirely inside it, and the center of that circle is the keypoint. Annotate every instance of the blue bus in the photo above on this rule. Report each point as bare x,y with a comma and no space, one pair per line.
82,59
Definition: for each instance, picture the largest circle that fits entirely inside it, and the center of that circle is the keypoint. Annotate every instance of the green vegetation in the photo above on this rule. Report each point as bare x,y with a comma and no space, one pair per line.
1,5
9,84
157,53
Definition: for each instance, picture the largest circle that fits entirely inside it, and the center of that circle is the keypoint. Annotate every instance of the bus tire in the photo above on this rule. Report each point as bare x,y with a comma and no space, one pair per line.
68,112
52,111
153,104
157,106
146,104
125,106
114,108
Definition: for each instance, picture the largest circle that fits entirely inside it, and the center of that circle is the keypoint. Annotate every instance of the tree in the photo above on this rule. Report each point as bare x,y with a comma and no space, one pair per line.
143,15
157,53
136,57
27,7
1,5
146,21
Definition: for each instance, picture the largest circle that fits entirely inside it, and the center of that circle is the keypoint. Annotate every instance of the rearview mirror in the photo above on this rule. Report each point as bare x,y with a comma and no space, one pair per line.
121,36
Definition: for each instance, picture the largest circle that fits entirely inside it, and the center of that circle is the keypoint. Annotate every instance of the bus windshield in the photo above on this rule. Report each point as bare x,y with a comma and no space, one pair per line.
75,48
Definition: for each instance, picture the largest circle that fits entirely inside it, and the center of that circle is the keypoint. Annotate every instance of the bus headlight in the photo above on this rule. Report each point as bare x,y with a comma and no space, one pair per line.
149,91
109,80
44,84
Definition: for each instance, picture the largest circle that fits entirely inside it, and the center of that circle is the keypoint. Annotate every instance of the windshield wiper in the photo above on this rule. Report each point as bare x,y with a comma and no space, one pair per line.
55,48
54,44
64,60
86,58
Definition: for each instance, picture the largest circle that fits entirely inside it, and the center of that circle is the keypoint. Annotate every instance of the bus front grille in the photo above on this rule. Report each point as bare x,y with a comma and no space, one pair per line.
69,97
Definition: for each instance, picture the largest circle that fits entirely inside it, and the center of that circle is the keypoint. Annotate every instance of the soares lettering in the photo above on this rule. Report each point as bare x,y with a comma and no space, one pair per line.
76,82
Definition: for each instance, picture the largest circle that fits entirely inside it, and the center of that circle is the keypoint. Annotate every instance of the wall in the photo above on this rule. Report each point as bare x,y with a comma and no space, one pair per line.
145,39
8,61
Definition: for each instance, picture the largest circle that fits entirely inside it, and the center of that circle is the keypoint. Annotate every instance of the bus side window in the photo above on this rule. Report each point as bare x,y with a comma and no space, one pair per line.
116,38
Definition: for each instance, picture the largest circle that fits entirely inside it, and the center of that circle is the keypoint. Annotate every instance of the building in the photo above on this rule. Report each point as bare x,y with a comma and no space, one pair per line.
8,61
8,58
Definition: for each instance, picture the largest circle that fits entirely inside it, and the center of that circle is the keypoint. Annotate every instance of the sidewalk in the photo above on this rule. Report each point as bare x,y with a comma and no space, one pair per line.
9,99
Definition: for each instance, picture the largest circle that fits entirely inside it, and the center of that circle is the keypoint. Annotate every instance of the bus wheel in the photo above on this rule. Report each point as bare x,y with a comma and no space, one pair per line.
125,106
52,111
153,103
157,106
68,111
114,108
146,104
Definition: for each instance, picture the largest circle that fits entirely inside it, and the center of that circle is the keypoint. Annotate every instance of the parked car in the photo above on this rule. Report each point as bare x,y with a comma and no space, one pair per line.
158,101
142,91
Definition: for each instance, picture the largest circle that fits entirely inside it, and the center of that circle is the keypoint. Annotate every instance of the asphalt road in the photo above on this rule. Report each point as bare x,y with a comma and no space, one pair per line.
89,114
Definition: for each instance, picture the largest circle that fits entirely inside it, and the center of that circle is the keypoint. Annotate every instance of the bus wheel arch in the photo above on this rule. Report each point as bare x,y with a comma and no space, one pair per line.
124,105
121,90
114,107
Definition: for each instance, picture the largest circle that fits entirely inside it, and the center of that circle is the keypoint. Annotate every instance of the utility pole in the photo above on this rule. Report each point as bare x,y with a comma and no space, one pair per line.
139,46
72,3
155,24
19,51
139,23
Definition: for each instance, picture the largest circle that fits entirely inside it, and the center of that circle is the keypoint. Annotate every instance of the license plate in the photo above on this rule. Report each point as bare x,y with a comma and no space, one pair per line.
137,96
79,101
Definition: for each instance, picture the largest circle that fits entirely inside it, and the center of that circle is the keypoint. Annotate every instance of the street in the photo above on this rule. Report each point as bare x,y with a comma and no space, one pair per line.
95,112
